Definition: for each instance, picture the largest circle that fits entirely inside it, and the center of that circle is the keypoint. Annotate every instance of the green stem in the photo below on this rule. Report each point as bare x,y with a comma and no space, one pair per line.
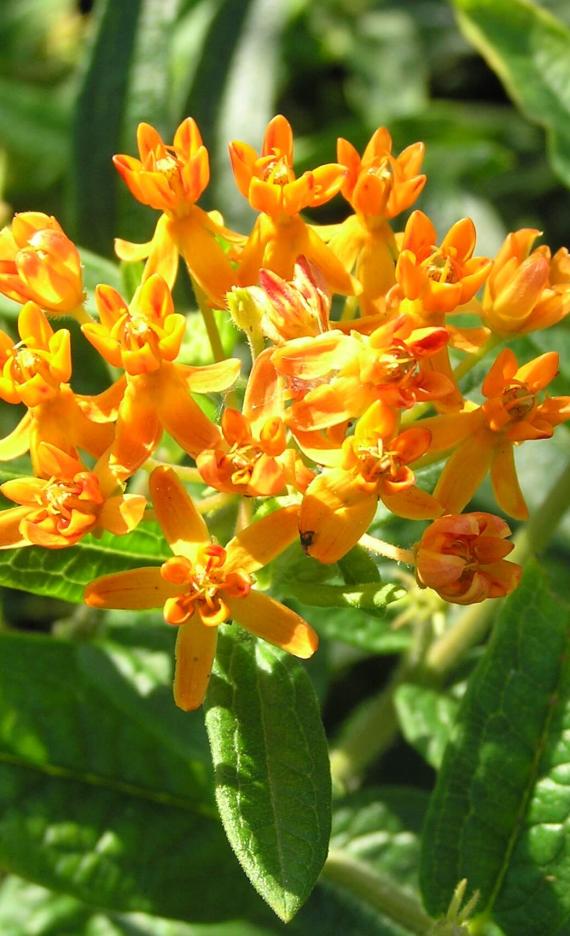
469,362
349,309
378,891
209,321
474,622
372,729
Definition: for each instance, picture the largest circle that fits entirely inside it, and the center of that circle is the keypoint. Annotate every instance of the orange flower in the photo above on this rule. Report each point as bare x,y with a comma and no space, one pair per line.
378,186
39,263
337,377
171,179
441,278
484,436
463,558
145,338
339,505
35,371
526,291
253,458
72,502
204,585
141,335
381,185
280,235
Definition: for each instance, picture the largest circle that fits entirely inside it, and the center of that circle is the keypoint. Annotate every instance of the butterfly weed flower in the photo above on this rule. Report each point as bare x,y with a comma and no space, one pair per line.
205,584
280,234
171,178
69,501
39,263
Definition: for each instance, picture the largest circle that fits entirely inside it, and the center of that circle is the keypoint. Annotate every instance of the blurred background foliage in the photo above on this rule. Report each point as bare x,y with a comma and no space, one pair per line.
75,80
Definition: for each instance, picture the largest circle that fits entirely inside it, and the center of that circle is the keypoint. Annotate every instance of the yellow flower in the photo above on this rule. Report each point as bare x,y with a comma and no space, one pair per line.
204,585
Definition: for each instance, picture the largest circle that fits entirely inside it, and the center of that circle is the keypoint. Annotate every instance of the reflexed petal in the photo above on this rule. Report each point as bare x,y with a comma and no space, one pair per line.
23,491
195,652
17,442
336,510
413,504
130,252
267,618
464,472
122,513
213,377
260,542
205,259
133,590
10,521
181,523
505,482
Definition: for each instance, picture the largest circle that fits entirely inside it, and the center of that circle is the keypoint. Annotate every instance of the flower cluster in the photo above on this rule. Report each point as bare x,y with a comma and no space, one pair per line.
342,405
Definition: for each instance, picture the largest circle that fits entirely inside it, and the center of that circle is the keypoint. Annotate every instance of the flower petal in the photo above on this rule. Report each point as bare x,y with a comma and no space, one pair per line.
505,482
195,651
267,618
133,590
464,472
175,511
260,542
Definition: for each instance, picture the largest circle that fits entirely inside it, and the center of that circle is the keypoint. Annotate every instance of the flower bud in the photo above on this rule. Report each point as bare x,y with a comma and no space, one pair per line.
39,263
462,557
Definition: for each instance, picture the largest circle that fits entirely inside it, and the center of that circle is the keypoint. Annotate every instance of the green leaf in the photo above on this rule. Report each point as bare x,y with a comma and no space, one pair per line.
358,629
365,597
382,826
105,787
241,44
29,910
272,774
375,851
126,80
426,718
530,52
64,573
34,130
500,810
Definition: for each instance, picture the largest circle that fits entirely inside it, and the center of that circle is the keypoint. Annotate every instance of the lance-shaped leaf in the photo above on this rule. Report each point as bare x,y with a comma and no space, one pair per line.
530,52
499,815
64,573
271,767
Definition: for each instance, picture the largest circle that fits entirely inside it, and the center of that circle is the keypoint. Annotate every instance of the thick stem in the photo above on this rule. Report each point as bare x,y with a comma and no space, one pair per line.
378,891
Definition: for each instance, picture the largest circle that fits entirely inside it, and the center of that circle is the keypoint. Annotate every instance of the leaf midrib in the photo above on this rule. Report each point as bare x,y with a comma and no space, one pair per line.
90,778
532,778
